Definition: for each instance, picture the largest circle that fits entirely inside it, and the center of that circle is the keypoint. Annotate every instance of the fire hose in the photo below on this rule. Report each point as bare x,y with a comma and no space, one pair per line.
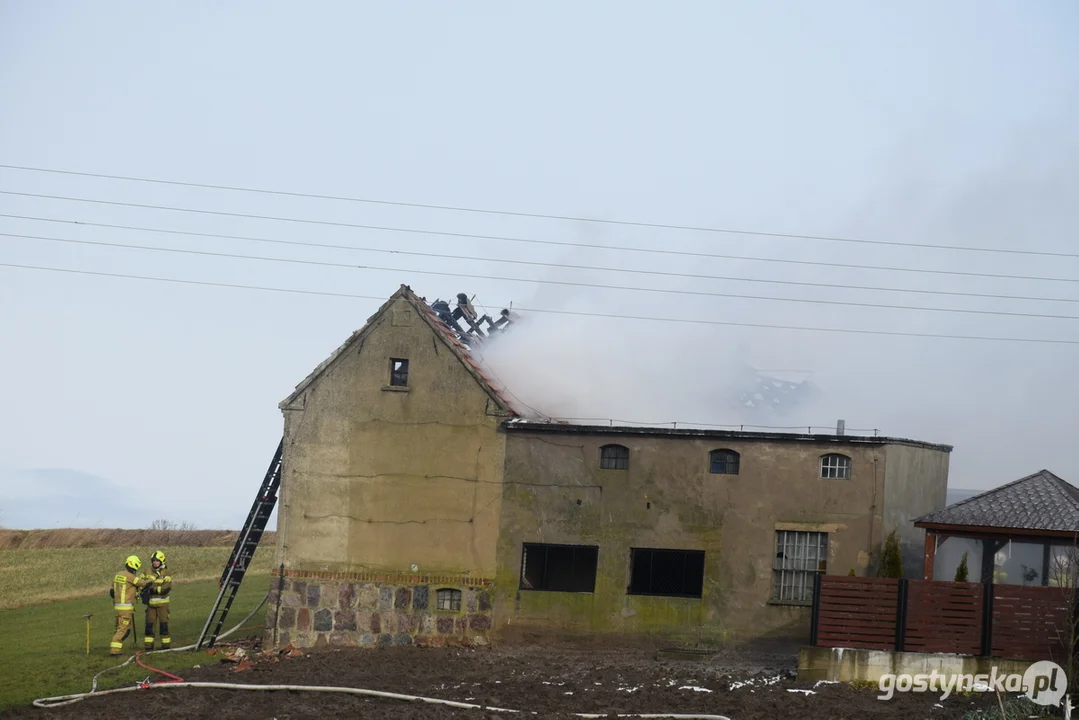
178,682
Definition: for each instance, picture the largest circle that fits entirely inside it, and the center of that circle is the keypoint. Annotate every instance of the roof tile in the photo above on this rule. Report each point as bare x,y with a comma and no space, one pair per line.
1041,501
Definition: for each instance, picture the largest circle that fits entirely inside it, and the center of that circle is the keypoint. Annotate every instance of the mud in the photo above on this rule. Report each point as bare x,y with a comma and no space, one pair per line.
748,684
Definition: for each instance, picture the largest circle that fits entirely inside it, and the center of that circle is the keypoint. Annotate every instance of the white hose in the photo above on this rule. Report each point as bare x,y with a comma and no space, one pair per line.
59,700
66,699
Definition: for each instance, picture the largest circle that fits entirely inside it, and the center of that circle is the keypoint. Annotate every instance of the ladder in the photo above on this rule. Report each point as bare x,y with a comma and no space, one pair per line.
242,552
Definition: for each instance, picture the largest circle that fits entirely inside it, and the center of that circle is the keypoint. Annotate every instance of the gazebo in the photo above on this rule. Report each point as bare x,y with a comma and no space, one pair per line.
1023,533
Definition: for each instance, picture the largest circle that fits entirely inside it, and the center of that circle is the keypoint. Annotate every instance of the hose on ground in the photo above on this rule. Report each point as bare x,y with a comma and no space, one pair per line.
65,699
176,682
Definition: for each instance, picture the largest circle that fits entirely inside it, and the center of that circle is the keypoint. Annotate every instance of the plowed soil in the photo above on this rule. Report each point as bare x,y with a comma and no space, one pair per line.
551,682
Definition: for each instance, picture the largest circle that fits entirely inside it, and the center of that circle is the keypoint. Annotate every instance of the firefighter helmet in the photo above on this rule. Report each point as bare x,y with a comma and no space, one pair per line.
133,563
159,556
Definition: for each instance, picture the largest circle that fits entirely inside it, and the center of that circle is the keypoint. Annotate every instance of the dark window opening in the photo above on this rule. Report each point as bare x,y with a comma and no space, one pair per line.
724,462
448,600
675,573
614,457
559,568
398,372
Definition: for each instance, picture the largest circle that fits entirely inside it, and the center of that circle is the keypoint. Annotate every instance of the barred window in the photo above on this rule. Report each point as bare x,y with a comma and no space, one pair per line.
799,557
674,573
448,599
614,457
836,466
559,568
724,462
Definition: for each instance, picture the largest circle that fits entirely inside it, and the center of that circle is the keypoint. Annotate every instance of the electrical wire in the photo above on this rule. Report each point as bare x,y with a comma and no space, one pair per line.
610,316
565,283
543,216
536,263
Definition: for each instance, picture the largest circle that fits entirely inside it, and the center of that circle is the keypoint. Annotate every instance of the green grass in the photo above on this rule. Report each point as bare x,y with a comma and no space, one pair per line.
44,645
32,576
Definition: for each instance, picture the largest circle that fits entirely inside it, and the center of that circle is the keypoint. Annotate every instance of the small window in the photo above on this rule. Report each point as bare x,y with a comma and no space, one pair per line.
448,600
724,462
398,372
834,465
799,557
673,573
614,457
559,568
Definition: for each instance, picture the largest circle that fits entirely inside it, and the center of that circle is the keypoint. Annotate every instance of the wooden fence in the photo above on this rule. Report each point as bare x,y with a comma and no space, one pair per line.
1013,621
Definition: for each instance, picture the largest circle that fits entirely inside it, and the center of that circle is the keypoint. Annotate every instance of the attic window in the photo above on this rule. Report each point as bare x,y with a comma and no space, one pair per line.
398,372
614,457
835,466
724,462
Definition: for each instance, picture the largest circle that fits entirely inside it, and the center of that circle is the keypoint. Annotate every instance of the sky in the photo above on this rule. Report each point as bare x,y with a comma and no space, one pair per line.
130,400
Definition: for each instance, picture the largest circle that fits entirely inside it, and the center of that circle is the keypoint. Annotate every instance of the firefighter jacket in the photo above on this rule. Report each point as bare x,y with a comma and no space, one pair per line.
125,590
160,583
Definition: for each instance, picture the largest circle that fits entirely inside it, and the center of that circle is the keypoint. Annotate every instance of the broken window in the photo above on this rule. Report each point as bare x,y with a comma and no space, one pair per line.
614,457
800,556
835,466
559,568
673,573
724,462
448,599
398,372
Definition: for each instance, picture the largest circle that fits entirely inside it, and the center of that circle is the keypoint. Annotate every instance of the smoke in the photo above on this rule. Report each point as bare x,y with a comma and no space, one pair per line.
1007,407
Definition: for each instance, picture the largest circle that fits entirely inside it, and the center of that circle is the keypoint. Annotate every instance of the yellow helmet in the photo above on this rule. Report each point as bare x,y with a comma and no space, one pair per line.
133,563
159,556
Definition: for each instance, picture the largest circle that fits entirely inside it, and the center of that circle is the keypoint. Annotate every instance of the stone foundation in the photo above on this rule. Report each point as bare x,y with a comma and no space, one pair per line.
368,610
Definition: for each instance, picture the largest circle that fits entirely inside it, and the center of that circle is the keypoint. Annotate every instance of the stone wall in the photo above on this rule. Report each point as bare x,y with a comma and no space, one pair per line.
365,610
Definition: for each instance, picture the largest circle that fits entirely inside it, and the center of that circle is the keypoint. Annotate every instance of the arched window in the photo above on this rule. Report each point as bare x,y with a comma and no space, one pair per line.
448,599
724,462
614,457
835,466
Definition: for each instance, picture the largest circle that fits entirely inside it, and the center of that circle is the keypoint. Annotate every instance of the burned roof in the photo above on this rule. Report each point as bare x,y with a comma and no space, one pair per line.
1041,501
456,338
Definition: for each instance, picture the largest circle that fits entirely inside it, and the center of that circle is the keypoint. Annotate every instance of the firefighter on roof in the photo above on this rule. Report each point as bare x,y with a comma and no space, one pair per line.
157,602
125,589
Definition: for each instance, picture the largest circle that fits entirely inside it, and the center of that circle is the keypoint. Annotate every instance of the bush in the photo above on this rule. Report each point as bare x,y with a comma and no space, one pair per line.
851,573
961,571
891,561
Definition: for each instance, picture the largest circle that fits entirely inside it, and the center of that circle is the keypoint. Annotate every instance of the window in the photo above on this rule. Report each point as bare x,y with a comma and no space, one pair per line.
559,568
614,457
724,462
834,465
674,573
799,556
1063,570
448,600
398,372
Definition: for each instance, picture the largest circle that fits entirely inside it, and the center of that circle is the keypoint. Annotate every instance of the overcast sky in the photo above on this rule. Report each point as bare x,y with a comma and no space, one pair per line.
916,122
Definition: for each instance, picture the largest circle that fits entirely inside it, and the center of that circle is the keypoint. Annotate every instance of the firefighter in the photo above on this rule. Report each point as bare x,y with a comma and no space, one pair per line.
124,591
157,603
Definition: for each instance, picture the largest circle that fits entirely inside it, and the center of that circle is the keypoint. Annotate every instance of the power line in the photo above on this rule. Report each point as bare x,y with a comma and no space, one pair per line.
536,263
566,283
532,241
610,316
543,216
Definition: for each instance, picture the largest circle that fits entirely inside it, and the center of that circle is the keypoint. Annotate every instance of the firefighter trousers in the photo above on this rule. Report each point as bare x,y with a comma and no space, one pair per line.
123,629
159,615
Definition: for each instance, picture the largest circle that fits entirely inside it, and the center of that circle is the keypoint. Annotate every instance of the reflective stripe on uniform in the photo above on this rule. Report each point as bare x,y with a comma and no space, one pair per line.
123,607
116,645
158,601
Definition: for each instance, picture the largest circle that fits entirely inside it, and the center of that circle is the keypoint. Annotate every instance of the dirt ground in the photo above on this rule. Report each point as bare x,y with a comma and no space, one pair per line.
551,682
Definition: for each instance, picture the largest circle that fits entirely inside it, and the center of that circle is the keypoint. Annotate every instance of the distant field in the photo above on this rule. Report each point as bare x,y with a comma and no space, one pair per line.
99,537
38,575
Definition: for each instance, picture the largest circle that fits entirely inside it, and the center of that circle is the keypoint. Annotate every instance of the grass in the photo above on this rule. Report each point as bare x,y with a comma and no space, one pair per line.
45,644
109,537
29,577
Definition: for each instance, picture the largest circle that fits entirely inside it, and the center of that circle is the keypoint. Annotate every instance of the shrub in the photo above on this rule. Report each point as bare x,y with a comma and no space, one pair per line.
961,571
891,561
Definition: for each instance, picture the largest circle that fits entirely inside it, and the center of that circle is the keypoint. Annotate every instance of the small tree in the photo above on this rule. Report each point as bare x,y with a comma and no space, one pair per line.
851,573
961,571
891,560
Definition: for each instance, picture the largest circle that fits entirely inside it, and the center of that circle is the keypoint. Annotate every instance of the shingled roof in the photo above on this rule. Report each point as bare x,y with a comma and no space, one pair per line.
494,389
1041,501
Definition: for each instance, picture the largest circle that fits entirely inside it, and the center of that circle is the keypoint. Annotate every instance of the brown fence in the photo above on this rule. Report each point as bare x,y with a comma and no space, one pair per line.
942,617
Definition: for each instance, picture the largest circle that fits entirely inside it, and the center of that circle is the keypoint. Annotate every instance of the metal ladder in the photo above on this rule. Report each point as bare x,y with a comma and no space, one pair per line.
242,552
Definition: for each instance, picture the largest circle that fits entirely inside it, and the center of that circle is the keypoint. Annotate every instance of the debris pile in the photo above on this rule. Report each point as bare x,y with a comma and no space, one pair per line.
242,659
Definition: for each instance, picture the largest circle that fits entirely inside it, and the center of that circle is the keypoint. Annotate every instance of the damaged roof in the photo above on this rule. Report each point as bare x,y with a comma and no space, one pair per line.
490,385
1041,501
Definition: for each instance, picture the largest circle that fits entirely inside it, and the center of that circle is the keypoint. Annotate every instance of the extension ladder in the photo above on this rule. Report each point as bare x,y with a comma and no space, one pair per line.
244,550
